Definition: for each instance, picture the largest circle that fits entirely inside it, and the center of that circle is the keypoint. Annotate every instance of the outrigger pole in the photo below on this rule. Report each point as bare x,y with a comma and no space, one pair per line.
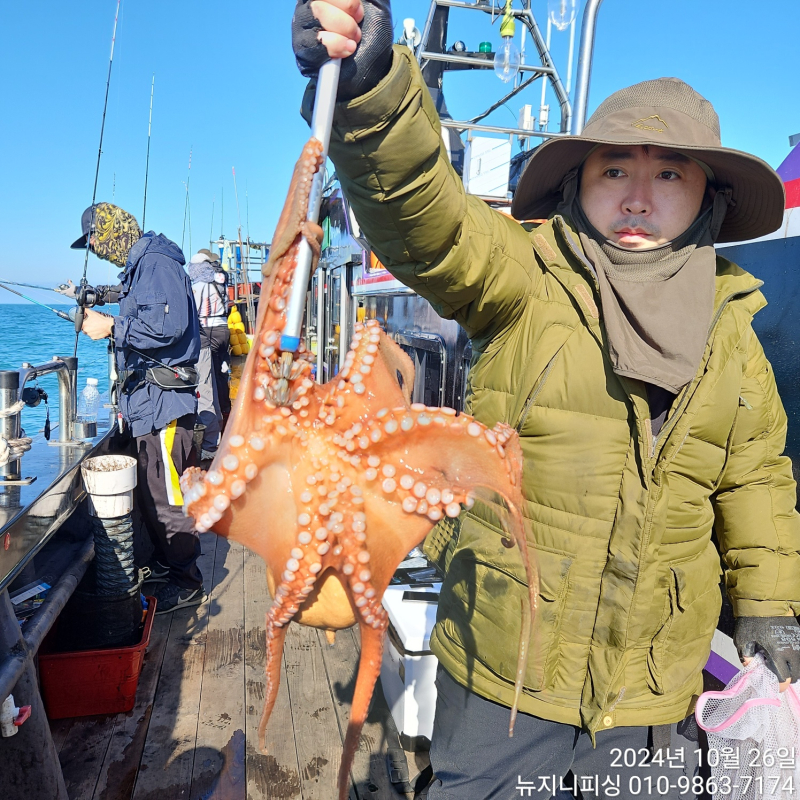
321,123
147,165
79,315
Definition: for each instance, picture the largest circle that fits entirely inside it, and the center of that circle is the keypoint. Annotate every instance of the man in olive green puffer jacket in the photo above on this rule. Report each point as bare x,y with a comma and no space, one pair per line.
621,349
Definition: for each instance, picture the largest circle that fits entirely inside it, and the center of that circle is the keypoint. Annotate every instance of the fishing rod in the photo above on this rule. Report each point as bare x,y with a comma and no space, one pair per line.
147,166
79,314
70,317
211,234
31,285
186,208
321,123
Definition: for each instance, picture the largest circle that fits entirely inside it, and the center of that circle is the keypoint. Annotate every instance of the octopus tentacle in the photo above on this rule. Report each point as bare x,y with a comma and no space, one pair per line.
273,677
369,667
513,524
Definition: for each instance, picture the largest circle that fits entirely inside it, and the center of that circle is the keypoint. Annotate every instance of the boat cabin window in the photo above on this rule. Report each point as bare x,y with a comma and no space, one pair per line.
312,317
333,323
466,361
428,353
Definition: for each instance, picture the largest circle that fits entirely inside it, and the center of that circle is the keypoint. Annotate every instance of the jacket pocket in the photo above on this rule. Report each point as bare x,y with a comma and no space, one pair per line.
482,603
554,567
151,308
541,364
680,648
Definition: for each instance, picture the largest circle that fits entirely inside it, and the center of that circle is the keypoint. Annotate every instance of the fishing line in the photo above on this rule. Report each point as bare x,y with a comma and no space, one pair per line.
79,316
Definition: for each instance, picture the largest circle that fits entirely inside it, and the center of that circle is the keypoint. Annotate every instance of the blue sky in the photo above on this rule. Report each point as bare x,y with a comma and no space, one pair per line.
226,85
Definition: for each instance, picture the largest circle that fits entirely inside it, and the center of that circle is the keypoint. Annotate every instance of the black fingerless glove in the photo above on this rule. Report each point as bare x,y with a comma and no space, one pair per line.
776,638
107,294
370,63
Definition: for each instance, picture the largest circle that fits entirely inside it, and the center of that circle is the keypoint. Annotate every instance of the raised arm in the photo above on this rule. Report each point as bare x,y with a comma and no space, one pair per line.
472,263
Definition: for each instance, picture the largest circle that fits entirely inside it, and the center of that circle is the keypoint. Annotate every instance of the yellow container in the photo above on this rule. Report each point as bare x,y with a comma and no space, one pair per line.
236,350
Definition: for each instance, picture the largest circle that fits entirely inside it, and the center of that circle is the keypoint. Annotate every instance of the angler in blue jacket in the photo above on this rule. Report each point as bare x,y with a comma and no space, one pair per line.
156,341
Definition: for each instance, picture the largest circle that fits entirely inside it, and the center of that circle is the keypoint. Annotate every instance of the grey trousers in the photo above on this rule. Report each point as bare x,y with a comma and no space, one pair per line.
474,759
208,403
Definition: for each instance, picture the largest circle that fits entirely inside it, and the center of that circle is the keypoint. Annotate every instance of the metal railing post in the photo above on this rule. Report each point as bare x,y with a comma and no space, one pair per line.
9,425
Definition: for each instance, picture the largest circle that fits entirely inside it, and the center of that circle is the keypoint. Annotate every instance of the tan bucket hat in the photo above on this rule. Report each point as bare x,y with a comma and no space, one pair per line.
666,112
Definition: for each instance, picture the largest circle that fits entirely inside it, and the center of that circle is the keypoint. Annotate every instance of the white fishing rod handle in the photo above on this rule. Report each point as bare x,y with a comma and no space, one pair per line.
321,123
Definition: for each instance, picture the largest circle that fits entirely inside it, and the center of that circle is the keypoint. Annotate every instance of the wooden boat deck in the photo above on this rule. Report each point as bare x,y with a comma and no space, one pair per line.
193,732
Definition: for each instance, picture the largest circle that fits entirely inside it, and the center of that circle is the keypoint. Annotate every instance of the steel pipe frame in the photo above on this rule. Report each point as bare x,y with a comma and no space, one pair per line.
476,61
586,51
526,16
67,372
21,653
10,425
469,126
555,80
31,766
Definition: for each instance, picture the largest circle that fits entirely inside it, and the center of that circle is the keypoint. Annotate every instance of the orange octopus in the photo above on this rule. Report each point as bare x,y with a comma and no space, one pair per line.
333,484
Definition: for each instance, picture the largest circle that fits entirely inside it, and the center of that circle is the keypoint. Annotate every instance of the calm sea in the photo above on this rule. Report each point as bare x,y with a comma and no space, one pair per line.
33,334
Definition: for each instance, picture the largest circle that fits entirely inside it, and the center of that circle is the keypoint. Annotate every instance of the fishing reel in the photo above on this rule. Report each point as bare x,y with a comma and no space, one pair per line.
87,296
32,396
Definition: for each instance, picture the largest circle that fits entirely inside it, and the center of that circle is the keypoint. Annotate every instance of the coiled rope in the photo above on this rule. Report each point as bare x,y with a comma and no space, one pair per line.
12,449
11,410
113,555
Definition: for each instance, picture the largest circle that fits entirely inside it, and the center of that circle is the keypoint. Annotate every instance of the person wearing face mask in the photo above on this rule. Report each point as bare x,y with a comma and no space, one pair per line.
156,341
620,347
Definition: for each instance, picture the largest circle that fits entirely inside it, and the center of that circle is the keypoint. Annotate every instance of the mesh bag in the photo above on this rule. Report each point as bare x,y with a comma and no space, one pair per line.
753,736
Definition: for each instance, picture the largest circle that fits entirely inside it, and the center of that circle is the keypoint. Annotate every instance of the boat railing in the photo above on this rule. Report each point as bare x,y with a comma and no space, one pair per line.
12,384
67,371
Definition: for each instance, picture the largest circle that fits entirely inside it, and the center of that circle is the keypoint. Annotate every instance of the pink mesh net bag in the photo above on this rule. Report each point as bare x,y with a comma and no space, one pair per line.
753,736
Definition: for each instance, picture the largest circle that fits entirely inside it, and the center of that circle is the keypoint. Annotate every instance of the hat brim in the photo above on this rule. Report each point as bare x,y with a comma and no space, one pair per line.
80,244
757,190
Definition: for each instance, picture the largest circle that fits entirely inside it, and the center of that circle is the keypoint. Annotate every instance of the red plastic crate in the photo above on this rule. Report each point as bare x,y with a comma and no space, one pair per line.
91,682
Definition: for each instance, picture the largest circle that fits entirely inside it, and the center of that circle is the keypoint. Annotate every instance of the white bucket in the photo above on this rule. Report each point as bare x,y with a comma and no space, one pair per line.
109,481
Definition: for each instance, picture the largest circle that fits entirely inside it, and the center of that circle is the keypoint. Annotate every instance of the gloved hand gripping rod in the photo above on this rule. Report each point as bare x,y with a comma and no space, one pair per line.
321,122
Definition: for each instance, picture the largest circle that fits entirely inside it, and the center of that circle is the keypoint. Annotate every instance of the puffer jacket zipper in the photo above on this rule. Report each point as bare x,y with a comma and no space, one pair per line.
537,388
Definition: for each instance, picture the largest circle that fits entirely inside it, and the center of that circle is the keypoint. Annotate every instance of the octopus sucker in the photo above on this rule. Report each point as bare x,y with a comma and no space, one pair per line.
332,485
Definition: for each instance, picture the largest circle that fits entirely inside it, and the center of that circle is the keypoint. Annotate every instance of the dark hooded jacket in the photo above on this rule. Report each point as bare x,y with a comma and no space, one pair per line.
157,316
